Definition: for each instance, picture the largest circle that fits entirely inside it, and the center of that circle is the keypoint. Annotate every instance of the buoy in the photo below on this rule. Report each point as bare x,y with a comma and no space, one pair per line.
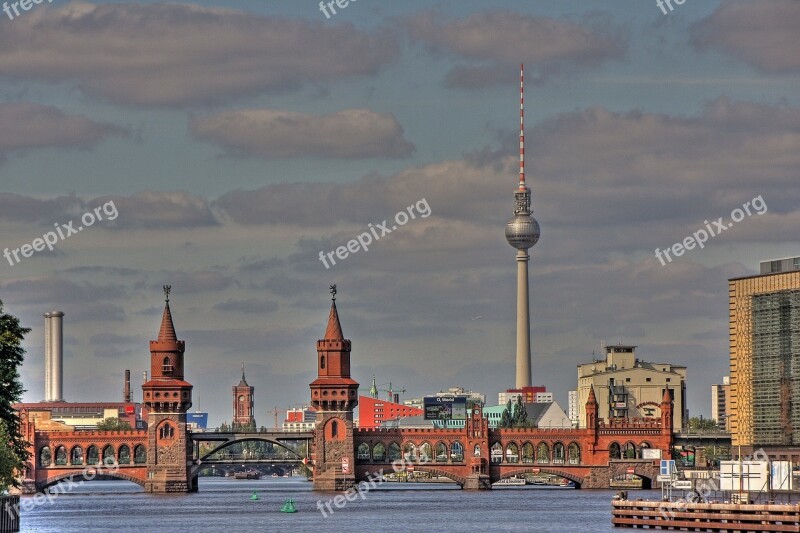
254,496
288,507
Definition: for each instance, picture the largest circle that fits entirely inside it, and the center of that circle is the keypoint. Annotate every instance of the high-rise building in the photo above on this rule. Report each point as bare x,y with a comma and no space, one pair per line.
528,394
627,387
764,315
522,232
244,404
53,356
573,410
372,412
720,398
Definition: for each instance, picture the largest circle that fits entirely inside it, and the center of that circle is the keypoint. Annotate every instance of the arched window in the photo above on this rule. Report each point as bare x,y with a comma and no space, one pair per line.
108,455
558,453
322,362
166,366
574,454
630,451
527,453
441,452
496,452
542,453
393,452
124,455
425,452
166,432
139,455
76,457
477,451
92,455
334,428
363,451
61,455
379,452
614,451
410,451
45,456
457,451
512,453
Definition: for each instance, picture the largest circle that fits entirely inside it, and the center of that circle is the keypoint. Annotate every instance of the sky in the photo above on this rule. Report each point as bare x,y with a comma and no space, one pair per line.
220,147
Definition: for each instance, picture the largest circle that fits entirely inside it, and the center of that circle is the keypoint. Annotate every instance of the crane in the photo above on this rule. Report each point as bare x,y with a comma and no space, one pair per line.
275,411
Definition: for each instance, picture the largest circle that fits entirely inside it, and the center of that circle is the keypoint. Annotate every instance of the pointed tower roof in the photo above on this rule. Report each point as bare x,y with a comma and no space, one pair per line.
373,391
667,396
334,329
167,331
592,398
243,382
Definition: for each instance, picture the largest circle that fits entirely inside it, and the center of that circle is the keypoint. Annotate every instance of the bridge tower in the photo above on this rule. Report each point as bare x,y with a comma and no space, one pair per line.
167,398
334,395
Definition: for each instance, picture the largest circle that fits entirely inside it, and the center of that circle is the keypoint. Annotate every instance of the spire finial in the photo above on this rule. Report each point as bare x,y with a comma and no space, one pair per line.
333,292
521,126
167,290
242,371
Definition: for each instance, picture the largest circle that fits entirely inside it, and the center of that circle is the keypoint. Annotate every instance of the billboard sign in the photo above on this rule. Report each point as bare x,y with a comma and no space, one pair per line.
445,407
345,465
667,467
744,476
781,475
197,420
651,453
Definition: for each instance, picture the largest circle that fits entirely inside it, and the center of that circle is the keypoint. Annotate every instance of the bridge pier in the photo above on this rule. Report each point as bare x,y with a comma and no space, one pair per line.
477,482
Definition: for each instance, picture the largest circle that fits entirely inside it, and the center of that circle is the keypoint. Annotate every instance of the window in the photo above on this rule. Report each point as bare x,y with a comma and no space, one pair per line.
775,266
648,380
627,380
166,366
796,263
334,428
322,361
668,379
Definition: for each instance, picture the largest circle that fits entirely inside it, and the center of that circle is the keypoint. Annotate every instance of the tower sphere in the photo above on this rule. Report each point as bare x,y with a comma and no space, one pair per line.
522,232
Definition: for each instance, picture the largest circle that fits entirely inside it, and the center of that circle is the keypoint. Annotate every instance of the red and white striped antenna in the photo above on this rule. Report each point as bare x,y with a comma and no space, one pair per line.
522,126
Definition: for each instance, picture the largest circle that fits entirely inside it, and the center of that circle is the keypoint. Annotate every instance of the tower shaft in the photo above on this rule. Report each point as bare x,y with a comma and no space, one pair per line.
523,373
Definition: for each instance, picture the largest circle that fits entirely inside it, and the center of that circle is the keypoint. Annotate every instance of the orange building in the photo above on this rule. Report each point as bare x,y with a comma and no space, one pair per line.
374,411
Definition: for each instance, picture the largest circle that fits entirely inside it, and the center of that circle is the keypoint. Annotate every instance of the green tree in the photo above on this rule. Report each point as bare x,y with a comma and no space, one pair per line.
113,424
13,455
703,424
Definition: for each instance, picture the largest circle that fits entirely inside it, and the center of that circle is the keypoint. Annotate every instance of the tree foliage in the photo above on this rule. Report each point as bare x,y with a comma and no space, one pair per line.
14,455
703,424
113,424
514,416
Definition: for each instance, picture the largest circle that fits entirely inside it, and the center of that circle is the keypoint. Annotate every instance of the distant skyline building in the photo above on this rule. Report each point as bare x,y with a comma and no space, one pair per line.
303,419
573,411
244,403
53,356
764,328
522,232
720,399
372,412
627,387
528,394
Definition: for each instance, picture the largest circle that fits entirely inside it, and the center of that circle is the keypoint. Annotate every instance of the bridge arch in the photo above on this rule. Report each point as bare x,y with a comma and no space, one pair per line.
575,478
253,438
79,476
441,473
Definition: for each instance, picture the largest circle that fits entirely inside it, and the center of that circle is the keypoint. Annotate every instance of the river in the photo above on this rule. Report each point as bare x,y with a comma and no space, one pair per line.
224,506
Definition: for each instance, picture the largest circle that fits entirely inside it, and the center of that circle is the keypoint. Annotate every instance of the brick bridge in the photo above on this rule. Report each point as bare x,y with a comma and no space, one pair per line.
474,456
165,457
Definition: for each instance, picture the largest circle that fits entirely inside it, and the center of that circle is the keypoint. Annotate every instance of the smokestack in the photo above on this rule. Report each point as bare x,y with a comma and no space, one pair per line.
126,392
53,357
144,377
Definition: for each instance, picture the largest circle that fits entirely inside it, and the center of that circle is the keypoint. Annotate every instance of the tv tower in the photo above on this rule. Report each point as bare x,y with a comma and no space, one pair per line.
522,232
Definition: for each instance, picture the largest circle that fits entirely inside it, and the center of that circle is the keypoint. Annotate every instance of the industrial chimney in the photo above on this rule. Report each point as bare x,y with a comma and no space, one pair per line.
53,357
126,392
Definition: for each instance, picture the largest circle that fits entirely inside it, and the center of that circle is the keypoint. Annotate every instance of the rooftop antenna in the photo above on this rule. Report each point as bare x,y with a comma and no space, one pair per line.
522,126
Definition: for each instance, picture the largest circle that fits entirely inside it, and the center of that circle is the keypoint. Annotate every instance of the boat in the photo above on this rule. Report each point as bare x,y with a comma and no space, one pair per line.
288,507
538,481
248,474
512,482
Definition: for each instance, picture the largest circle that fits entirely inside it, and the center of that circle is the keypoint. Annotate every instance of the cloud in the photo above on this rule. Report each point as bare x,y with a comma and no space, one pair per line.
270,133
147,209
27,126
183,54
498,40
191,282
251,305
762,33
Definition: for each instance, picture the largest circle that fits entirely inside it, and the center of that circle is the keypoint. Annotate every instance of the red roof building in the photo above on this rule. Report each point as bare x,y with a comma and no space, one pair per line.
372,412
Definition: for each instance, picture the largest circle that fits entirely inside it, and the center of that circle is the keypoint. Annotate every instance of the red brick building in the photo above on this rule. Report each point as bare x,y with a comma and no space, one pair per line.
372,412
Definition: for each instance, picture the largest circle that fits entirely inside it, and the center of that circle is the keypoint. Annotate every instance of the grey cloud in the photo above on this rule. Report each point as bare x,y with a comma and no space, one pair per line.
270,133
501,39
762,33
27,125
183,54
191,282
250,305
